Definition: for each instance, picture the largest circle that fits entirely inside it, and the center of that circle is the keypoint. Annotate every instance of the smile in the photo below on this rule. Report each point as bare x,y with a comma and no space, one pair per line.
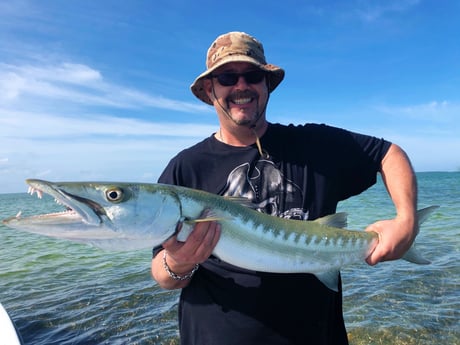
240,101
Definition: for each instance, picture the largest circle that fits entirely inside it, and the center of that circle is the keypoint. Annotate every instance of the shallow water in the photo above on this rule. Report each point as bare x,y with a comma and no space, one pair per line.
60,292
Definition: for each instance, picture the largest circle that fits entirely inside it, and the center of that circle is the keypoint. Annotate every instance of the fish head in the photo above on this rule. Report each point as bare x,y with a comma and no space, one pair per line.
110,215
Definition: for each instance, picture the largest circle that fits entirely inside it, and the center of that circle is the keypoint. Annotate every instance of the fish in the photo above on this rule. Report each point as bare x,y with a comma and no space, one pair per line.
129,216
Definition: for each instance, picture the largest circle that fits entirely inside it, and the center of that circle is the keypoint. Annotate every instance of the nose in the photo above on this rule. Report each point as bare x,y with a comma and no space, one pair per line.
241,83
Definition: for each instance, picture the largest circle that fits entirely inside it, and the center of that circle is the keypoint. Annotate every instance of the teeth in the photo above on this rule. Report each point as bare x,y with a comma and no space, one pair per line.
242,100
32,190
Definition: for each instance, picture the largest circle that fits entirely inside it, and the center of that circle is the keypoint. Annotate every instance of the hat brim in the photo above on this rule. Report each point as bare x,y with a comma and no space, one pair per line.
275,75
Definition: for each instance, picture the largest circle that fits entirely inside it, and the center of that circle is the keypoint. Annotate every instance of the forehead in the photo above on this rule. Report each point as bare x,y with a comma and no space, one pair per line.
236,67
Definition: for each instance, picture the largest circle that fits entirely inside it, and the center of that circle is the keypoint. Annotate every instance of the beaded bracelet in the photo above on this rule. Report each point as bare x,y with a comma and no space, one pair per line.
175,276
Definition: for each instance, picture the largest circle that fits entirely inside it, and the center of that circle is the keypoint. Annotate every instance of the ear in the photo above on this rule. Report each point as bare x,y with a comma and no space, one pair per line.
207,86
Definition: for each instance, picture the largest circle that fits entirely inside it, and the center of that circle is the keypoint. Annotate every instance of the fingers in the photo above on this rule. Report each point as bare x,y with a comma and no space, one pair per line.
376,254
375,257
395,238
202,240
198,246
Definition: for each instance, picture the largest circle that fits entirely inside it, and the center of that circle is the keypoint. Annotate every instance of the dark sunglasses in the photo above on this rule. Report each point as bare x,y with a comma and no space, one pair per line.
231,78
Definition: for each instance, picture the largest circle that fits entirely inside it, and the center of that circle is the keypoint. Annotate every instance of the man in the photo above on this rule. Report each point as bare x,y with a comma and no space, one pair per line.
298,172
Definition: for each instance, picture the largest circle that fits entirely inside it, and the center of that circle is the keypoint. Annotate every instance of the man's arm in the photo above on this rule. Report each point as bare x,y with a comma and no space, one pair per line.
396,235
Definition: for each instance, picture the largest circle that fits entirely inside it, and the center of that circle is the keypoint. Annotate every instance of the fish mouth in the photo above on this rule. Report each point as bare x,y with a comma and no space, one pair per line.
88,211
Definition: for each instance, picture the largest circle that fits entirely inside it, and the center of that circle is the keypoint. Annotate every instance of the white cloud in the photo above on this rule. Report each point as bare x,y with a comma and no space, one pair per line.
373,10
98,148
429,131
436,111
78,84
430,154
62,121
38,125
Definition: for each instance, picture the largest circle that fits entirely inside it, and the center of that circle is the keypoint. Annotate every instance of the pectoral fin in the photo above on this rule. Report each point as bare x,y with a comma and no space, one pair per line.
202,220
186,226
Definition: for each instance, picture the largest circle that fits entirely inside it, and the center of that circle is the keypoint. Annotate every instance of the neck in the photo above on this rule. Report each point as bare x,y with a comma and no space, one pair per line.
241,135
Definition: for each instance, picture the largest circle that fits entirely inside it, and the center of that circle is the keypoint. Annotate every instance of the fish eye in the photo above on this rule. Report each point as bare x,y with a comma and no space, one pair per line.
114,194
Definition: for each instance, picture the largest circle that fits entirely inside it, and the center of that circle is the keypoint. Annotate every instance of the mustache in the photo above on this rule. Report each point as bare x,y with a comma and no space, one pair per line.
243,94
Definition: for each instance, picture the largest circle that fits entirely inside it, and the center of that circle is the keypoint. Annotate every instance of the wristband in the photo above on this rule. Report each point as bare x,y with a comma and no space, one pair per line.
175,276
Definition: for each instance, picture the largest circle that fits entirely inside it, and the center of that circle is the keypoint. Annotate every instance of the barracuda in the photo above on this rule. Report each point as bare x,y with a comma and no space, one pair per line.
127,216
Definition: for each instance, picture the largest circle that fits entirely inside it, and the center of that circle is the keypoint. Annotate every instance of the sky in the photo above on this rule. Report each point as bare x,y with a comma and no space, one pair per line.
99,90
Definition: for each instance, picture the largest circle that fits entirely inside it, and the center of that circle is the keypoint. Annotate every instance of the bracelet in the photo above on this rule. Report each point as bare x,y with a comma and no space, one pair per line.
175,276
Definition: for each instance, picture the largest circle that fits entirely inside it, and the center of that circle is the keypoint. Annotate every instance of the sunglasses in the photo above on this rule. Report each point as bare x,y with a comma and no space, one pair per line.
230,78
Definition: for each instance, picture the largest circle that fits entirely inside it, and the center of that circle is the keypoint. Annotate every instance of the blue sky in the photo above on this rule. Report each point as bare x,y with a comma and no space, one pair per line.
99,90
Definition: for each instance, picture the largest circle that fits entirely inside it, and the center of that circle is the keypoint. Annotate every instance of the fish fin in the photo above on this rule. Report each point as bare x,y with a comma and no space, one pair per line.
412,255
202,220
337,220
424,213
207,216
330,279
188,224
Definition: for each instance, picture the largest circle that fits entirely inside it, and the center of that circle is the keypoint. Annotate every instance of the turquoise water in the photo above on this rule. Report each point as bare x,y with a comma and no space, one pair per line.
60,292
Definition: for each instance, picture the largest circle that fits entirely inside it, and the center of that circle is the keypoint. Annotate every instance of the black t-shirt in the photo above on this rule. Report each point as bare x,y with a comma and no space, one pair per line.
304,172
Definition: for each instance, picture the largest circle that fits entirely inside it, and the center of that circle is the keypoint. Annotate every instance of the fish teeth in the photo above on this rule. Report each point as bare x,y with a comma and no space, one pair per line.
33,190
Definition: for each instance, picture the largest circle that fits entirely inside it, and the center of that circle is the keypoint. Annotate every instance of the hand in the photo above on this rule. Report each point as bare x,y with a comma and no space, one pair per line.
182,256
395,238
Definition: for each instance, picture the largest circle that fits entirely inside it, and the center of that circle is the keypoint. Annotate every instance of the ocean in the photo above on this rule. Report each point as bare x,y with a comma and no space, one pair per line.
59,292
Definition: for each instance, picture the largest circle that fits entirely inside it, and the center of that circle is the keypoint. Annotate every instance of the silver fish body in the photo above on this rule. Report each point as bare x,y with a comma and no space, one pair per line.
126,216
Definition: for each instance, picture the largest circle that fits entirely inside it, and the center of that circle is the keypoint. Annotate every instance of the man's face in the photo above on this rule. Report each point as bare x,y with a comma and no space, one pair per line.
242,101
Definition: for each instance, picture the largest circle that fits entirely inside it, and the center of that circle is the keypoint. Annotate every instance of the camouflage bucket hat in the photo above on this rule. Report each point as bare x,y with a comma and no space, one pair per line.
236,47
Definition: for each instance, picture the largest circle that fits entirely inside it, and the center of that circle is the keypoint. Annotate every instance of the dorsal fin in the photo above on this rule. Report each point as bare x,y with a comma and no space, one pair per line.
337,220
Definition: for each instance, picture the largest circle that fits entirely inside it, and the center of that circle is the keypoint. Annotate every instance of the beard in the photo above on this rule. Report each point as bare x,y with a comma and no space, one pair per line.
243,116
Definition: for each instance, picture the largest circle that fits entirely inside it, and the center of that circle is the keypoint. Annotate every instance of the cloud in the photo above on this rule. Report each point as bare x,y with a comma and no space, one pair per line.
74,83
434,110
370,11
362,10
435,117
102,147
66,121
39,125
427,131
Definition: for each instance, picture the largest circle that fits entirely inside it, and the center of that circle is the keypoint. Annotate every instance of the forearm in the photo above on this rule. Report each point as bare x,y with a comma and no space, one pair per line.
396,235
401,184
163,278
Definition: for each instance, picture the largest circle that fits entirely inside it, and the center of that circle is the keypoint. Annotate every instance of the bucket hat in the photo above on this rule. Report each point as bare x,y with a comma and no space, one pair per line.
236,47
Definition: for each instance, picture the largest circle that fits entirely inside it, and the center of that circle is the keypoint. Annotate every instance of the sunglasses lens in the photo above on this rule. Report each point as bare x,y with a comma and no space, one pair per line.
254,77
227,79
230,79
